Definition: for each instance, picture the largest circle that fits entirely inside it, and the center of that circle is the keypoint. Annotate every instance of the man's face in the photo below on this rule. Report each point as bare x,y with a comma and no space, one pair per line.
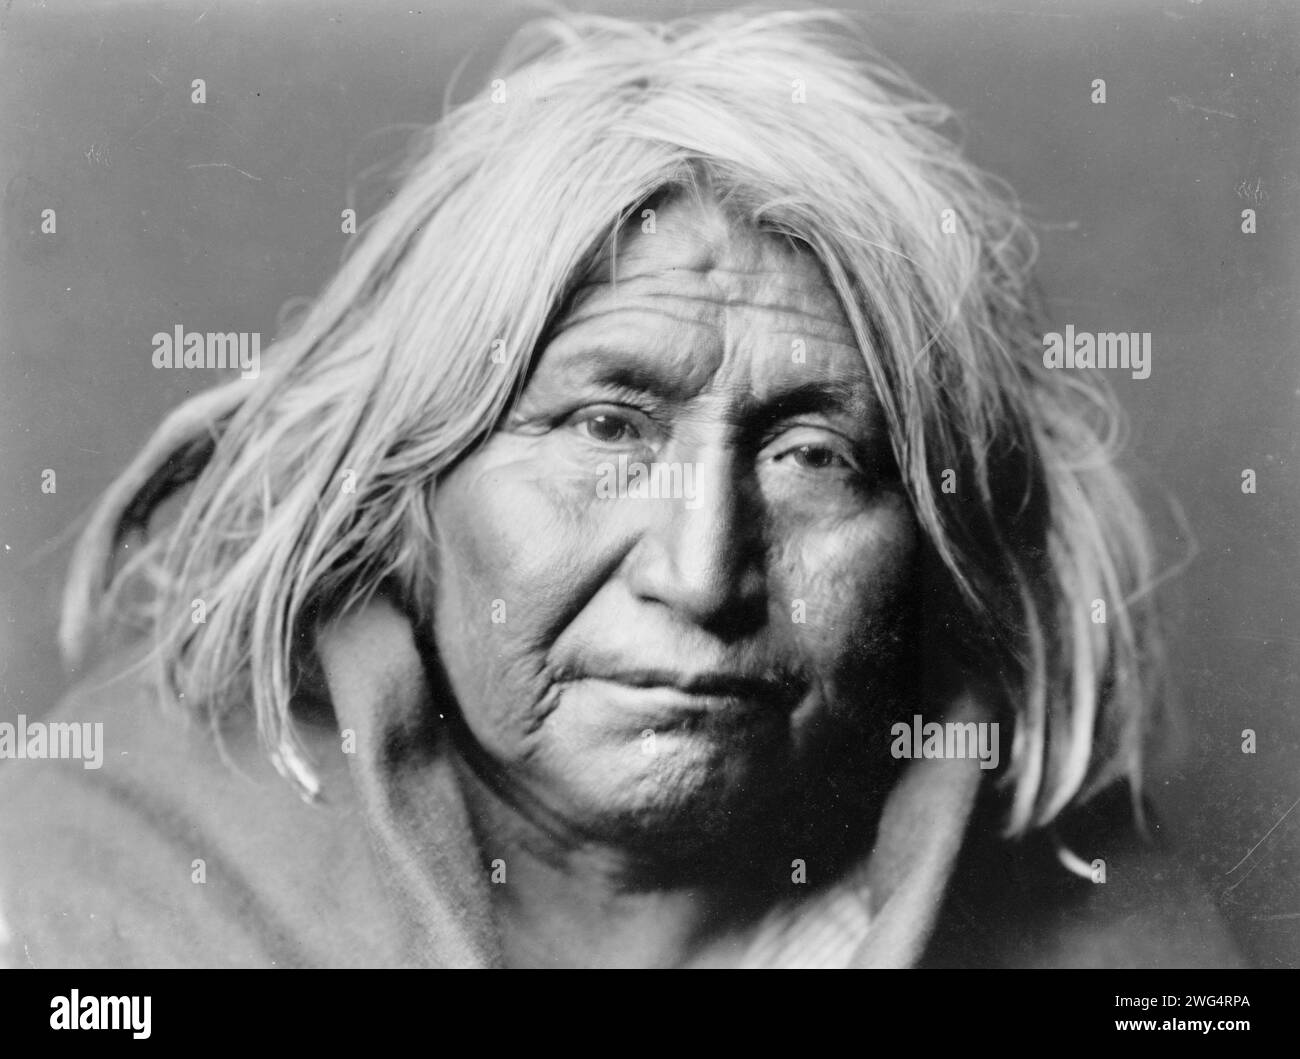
679,575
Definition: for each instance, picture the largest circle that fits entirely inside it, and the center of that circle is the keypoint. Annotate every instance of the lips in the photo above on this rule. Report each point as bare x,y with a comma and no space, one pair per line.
690,690
712,684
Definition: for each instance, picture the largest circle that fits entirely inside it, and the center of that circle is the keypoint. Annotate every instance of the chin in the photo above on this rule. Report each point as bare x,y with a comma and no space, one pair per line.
687,793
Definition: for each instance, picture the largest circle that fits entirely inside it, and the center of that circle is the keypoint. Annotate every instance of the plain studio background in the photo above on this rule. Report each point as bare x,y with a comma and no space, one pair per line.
212,216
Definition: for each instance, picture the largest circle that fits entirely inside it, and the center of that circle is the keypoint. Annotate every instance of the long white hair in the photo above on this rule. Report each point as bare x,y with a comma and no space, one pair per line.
306,489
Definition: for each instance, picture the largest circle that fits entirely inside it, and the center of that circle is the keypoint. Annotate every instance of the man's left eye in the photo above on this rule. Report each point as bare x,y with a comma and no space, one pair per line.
816,457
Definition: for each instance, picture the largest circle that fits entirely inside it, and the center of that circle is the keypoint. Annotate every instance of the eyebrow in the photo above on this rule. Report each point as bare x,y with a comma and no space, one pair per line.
815,395
635,377
623,370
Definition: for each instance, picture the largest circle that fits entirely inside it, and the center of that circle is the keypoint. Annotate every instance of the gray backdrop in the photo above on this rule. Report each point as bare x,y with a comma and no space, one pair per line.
213,216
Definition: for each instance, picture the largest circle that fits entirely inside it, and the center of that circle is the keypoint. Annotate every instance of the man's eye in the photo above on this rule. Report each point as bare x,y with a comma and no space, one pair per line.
816,458
608,428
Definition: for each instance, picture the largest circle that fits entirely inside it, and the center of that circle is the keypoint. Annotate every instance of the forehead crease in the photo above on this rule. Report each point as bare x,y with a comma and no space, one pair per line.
599,318
639,338
745,384
630,330
795,274
793,306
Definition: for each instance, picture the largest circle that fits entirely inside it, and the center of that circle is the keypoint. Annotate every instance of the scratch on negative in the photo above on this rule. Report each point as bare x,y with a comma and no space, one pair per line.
1183,103
1243,878
222,165
1262,840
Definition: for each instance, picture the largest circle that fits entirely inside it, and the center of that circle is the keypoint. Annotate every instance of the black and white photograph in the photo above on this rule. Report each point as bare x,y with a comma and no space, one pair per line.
650,485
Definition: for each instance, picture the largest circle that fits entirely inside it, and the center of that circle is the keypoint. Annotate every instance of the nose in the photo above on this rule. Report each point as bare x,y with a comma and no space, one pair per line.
702,557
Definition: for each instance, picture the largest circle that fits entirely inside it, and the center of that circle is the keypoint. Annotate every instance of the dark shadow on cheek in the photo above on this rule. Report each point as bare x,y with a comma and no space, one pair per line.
951,659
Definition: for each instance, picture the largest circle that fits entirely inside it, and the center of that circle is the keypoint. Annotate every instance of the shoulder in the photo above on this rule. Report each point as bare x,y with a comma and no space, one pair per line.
1015,904
165,853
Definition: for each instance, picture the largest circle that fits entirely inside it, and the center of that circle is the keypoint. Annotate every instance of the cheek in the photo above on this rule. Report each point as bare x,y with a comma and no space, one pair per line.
854,577
513,565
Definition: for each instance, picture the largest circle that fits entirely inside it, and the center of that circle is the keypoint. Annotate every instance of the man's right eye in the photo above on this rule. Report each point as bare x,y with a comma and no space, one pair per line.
608,428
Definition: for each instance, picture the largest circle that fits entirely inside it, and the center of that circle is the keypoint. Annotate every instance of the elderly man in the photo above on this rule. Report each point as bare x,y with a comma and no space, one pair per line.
526,714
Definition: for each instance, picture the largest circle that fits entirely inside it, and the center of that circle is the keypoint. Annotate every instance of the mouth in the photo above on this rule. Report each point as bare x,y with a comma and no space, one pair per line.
679,691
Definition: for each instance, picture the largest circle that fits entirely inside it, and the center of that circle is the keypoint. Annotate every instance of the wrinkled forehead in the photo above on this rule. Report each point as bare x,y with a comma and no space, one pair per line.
702,292
687,241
